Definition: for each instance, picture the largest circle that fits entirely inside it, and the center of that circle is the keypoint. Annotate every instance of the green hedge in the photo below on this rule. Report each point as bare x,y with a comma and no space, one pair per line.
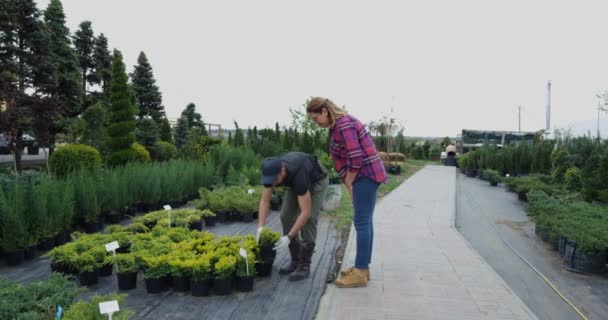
74,157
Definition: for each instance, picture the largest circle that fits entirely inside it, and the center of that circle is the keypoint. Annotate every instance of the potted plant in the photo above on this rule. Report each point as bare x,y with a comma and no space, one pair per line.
13,227
245,272
200,283
126,270
215,203
209,217
62,258
194,220
277,199
100,255
267,255
181,271
223,272
87,267
492,176
156,271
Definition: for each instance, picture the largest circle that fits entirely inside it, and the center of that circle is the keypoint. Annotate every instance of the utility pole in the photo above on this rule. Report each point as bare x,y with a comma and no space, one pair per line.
599,108
548,105
519,119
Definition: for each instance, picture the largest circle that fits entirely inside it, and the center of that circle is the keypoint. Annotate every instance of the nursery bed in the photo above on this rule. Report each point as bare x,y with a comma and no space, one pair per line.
272,298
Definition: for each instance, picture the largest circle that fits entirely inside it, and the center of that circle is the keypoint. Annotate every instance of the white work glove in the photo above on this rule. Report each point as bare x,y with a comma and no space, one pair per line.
257,235
282,243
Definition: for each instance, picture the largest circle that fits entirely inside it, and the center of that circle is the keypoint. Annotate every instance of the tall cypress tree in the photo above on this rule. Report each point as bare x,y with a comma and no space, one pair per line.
122,116
239,137
84,42
165,130
193,118
65,61
102,62
148,97
181,132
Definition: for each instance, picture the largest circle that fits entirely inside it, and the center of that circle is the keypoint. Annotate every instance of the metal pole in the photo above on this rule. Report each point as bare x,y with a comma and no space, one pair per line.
519,119
599,108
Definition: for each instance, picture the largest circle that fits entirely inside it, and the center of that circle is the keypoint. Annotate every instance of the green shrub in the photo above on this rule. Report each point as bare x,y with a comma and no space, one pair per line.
90,310
573,180
13,218
164,151
156,267
268,237
141,154
492,176
74,157
224,268
38,299
242,265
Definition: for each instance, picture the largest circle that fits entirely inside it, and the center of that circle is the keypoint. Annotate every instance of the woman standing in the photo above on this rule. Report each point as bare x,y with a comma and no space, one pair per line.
362,171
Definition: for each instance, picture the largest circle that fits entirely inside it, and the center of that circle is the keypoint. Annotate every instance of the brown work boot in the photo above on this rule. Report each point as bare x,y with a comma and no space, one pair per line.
294,251
303,270
349,270
356,278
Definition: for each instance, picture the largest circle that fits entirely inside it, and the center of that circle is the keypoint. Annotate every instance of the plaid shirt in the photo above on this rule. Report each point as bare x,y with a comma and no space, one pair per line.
352,148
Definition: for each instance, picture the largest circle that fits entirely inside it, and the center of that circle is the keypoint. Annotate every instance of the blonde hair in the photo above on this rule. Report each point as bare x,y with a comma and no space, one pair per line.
316,105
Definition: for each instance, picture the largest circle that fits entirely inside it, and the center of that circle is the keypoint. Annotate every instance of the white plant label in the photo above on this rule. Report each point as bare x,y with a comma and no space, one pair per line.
167,207
243,254
250,191
109,307
112,246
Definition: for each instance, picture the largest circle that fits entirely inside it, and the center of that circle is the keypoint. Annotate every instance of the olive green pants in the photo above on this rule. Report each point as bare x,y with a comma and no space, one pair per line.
291,210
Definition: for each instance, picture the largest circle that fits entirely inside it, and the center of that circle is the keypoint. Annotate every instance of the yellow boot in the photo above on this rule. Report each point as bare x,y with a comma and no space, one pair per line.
349,270
356,278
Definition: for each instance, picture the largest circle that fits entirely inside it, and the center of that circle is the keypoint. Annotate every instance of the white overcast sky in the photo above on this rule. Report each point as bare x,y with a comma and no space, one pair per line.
443,65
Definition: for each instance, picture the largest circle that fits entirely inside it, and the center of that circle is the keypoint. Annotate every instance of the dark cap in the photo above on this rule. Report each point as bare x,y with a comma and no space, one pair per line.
271,167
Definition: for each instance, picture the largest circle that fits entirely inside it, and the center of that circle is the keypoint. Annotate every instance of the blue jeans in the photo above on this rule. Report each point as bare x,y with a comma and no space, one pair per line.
364,201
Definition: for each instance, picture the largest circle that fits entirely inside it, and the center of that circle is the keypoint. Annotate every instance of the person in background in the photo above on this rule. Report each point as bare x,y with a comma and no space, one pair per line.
362,171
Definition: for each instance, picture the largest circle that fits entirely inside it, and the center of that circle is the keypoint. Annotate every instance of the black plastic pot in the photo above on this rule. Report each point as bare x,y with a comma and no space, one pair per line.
247,216
167,282
154,285
106,270
210,221
275,206
522,196
255,215
493,183
88,278
220,216
113,218
15,258
91,227
267,254
561,246
58,267
196,225
200,288
244,284
181,284
470,173
61,239
123,249
30,252
101,222
583,263
127,280
264,269
33,150
222,287
47,244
